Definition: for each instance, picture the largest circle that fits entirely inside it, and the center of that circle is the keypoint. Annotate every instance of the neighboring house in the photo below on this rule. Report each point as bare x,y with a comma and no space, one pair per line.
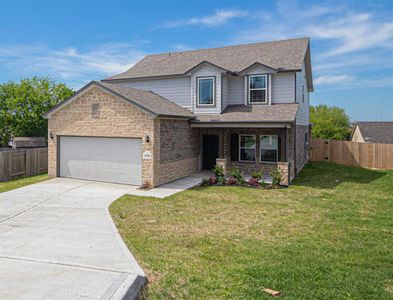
176,113
373,132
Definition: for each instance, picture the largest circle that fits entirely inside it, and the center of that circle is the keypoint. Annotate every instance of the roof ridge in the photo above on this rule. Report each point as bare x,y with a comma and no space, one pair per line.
228,46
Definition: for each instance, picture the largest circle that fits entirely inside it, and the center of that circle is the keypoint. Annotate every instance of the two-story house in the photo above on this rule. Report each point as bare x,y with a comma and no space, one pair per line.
172,114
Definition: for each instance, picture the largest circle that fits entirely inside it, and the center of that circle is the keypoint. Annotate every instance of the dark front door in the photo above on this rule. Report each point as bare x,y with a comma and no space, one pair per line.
209,151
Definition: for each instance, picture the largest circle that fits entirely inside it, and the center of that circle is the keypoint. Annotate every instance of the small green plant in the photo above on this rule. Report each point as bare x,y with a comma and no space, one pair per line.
276,177
257,174
263,184
219,174
241,181
235,173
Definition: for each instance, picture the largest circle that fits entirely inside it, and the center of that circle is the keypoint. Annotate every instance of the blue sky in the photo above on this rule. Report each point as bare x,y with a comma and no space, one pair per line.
78,41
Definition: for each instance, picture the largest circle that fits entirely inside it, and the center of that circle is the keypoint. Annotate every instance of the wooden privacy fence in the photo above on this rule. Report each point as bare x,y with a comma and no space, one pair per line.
376,156
23,163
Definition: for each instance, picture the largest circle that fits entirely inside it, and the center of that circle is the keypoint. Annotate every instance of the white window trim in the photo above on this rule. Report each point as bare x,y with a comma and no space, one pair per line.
260,148
258,89
214,91
240,147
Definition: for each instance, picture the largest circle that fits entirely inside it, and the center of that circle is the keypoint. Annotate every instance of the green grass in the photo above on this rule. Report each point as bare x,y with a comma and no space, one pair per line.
328,236
17,183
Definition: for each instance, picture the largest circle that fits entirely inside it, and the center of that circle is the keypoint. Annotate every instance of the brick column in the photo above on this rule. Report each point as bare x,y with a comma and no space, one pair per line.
284,169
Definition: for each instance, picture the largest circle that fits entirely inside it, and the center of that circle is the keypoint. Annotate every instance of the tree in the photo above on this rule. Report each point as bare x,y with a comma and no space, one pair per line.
23,104
329,122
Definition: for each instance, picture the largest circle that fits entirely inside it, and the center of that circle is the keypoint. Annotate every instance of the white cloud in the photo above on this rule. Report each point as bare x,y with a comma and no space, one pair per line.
344,40
69,64
221,16
354,33
181,47
329,79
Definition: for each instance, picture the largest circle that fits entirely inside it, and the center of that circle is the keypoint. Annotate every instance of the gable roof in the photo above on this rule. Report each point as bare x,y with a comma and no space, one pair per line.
148,101
284,55
275,113
376,132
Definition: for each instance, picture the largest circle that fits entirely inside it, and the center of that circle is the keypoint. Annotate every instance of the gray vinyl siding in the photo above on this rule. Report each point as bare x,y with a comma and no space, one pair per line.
283,88
224,92
282,85
303,114
235,90
206,71
176,89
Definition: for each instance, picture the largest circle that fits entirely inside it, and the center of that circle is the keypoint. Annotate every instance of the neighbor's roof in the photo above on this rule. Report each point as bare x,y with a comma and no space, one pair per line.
146,100
377,132
284,55
275,113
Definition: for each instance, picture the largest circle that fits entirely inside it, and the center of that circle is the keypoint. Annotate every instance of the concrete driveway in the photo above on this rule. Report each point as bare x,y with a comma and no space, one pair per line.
58,241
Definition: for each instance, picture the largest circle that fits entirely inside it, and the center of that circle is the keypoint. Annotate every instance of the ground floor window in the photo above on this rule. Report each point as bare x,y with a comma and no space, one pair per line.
269,148
247,147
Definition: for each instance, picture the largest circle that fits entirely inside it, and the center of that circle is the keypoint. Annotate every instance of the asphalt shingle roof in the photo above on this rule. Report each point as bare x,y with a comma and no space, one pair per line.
287,55
147,100
252,114
377,132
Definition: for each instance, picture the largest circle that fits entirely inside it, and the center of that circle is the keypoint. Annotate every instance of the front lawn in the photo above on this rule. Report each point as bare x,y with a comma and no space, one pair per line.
17,183
328,236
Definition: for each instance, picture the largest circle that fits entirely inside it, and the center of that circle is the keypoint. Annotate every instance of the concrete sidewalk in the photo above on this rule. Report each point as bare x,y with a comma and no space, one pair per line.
58,241
173,187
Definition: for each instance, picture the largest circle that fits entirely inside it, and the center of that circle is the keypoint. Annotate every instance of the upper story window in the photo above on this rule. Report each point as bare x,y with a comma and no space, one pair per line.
206,91
257,89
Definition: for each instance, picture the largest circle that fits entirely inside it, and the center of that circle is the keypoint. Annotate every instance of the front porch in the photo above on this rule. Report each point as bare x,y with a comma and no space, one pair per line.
251,149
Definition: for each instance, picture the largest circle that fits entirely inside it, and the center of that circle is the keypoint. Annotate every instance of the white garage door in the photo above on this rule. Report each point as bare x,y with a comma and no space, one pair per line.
116,160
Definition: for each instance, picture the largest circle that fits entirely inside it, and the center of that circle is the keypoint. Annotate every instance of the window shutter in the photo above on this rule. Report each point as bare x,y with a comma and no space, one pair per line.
279,148
234,147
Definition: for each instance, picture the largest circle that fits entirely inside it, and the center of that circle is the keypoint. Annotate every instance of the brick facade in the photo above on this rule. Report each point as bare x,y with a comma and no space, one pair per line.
179,154
116,118
286,165
302,146
174,145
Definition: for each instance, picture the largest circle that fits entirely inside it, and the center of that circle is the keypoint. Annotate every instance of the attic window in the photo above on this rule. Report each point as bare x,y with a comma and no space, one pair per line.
95,110
257,89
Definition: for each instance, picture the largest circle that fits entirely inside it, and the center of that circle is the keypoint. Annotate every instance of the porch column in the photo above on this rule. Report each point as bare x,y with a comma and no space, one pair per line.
221,133
221,160
284,141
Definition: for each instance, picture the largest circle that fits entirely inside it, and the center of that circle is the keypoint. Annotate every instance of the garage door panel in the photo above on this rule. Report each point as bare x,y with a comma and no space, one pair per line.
105,159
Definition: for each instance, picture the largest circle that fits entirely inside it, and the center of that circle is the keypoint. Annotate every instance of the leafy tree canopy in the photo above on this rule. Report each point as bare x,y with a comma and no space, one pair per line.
23,104
329,122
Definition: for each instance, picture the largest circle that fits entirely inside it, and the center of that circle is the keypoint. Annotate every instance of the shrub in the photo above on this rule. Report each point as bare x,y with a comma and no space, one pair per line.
231,181
263,184
219,173
257,175
213,180
254,182
235,173
276,177
241,181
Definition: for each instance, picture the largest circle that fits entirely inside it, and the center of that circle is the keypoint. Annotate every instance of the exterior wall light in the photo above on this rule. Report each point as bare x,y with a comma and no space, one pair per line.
51,135
147,139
